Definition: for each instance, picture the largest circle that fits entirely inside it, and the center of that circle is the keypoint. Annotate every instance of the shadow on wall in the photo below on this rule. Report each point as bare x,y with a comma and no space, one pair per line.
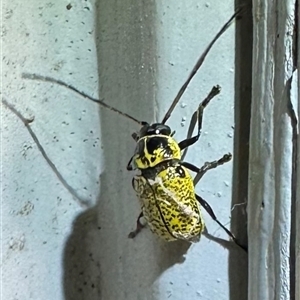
100,262
81,266
238,264
82,270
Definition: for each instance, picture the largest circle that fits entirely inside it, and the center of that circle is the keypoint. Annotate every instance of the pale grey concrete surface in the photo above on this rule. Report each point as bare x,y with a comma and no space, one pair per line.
135,56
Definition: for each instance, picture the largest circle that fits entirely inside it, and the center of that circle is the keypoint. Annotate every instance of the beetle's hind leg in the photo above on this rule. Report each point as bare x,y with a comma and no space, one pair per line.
200,172
139,227
210,211
197,118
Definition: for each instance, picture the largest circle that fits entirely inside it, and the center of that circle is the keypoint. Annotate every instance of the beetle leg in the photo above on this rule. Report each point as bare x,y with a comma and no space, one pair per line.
197,117
139,227
211,165
210,211
134,135
129,165
207,166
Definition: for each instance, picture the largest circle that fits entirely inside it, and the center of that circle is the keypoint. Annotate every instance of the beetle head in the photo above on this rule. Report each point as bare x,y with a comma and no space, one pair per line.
153,129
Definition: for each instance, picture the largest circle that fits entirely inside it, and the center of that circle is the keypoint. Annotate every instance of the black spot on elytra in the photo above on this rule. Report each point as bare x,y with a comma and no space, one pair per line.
180,171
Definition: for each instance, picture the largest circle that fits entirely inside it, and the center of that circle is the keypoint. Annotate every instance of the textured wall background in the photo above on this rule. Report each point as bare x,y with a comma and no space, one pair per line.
135,56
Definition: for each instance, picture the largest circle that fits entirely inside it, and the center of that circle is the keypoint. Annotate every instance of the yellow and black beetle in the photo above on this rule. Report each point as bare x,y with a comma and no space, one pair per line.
165,187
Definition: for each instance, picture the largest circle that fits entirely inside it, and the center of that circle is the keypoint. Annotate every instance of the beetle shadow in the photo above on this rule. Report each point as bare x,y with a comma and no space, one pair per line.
81,264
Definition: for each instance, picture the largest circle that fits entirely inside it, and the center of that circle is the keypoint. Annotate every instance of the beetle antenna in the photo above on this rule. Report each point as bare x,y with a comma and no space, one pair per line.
86,96
199,64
